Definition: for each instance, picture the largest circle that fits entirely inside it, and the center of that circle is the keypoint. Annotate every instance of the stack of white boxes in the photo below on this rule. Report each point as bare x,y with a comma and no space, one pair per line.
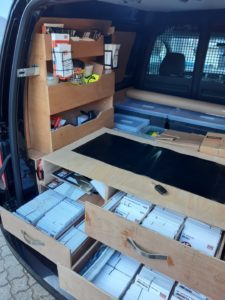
51,212
117,274
111,271
164,221
133,208
70,191
150,285
60,218
182,292
201,236
74,237
36,208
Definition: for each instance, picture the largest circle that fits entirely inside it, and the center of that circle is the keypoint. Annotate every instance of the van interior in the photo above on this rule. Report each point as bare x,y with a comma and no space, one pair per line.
126,103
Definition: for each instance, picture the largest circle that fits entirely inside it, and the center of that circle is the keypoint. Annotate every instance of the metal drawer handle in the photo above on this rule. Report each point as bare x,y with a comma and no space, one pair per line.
144,253
31,241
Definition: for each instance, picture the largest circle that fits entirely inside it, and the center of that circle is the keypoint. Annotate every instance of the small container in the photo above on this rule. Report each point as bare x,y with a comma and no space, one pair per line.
88,70
51,80
130,123
78,72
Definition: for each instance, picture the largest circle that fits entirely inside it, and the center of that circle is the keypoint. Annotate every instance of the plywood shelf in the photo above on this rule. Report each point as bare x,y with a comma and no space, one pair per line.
65,96
80,49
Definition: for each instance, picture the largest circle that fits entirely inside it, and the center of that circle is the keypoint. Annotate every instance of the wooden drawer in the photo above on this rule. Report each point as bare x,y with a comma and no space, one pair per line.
182,263
66,96
41,242
179,200
78,286
69,133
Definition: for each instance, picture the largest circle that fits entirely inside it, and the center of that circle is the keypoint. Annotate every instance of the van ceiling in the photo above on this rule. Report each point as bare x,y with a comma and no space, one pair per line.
170,5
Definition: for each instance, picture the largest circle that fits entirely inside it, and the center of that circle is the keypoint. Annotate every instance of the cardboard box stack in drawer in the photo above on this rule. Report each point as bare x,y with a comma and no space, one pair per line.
110,271
150,285
74,237
53,214
122,277
191,232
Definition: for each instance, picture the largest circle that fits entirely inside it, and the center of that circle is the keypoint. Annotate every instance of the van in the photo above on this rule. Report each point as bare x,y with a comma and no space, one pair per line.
112,146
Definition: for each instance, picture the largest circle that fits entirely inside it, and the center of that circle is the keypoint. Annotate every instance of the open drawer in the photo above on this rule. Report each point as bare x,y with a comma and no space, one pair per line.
71,281
43,243
99,156
200,272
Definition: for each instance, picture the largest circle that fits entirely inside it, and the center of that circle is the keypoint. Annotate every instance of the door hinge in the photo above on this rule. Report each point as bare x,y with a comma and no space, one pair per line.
28,72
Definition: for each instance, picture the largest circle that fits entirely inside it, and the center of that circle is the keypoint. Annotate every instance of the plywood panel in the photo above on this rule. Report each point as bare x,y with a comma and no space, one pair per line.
189,104
34,238
80,49
78,286
126,40
79,24
69,133
65,96
38,104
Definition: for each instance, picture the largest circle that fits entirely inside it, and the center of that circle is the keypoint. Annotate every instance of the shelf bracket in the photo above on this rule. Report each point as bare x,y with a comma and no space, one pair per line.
28,72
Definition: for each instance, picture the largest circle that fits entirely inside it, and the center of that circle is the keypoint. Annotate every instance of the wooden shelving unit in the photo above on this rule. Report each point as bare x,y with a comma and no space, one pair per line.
66,99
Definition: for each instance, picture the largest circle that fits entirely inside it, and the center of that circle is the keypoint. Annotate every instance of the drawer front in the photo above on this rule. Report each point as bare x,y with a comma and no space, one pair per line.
67,134
78,286
78,95
196,270
34,238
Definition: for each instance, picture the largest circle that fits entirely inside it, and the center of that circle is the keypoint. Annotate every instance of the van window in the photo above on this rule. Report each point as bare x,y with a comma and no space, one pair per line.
4,13
214,68
176,45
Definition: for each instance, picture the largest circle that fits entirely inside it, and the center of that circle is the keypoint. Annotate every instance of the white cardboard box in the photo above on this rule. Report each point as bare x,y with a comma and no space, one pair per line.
150,285
201,236
36,208
164,221
60,218
133,208
182,292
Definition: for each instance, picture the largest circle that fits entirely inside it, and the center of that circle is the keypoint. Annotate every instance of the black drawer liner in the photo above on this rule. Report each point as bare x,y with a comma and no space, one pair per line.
195,175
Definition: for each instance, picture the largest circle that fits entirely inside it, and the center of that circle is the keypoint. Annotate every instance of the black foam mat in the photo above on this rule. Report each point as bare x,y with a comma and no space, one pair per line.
198,176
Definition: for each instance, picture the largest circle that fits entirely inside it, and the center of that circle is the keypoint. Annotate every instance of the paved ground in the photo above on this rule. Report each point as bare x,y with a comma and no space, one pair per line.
15,282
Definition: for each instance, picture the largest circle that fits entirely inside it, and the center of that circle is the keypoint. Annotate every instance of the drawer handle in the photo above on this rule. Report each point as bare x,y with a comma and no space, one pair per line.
143,253
31,241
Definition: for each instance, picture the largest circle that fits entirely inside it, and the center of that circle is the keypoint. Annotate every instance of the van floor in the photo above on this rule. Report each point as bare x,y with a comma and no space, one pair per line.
15,282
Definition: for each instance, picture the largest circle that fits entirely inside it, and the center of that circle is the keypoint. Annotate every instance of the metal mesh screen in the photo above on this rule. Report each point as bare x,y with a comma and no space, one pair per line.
215,58
183,40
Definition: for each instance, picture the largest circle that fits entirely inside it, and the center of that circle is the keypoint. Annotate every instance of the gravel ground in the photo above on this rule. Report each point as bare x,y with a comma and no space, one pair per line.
15,282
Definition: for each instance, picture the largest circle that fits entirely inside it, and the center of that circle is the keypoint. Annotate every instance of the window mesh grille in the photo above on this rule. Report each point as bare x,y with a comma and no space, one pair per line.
215,58
182,40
